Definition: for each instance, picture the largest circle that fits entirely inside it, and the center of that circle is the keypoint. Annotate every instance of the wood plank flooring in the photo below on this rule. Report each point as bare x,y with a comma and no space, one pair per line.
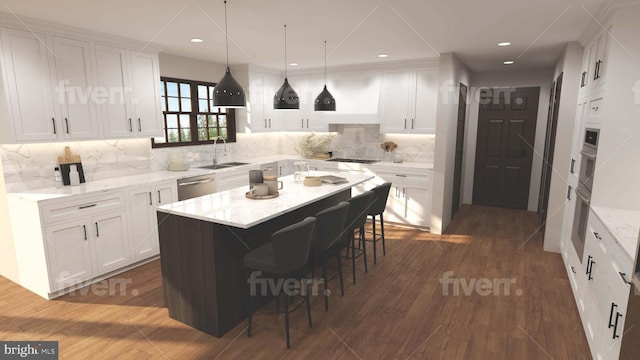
399,310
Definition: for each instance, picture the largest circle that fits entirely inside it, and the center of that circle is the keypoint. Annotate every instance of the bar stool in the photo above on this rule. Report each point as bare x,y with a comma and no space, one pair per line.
284,257
380,196
356,218
329,231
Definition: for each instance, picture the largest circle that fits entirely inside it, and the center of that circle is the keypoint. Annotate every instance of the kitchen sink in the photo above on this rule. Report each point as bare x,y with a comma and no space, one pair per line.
223,165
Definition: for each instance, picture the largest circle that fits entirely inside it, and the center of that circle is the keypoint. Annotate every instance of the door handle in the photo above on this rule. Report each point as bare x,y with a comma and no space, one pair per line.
66,123
573,164
55,131
139,125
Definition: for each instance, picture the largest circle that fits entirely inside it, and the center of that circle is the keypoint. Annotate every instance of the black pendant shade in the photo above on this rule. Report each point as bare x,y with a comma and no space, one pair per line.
286,98
325,101
228,93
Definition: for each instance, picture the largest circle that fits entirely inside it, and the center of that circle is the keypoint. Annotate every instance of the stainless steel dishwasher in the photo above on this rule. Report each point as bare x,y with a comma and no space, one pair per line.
194,186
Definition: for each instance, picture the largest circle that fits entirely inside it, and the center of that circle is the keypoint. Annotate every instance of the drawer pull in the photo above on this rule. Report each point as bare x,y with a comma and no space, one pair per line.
624,278
401,175
81,207
615,327
613,307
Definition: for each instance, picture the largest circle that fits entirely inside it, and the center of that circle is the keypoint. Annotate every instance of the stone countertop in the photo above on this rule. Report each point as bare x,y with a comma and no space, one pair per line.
120,182
624,225
233,208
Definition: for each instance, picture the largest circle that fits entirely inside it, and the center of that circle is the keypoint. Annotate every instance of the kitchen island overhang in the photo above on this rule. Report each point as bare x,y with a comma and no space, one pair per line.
203,242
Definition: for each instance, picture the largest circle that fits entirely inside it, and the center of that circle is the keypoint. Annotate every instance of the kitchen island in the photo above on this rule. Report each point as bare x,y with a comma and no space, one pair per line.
203,242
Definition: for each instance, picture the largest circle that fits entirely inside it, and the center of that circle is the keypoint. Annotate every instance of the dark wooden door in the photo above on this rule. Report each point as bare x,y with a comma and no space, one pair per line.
504,147
457,174
549,151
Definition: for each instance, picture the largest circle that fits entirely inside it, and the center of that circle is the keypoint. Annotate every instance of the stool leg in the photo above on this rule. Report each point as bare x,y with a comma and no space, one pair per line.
353,254
340,272
308,301
384,249
326,281
277,303
286,318
250,308
312,263
364,249
373,225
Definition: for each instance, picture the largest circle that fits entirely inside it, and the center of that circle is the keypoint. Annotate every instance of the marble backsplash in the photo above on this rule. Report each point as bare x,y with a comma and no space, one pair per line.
31,166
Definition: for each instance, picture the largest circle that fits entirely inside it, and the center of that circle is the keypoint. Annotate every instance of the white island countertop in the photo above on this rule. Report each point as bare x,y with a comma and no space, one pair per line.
233,208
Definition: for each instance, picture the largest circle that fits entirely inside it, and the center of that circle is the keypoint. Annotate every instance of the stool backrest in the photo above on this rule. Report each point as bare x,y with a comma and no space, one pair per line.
358,210
380,196
330,224
291,245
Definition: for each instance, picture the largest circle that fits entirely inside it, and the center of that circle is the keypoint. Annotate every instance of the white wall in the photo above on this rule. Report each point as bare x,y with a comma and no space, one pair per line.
190,69
8,264
569,65
521,78
451,73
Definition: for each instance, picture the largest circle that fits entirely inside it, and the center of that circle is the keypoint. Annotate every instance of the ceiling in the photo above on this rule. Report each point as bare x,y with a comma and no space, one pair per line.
356,30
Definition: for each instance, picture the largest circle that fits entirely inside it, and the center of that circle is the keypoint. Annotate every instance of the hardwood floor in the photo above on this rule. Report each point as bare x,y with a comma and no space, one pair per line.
524,308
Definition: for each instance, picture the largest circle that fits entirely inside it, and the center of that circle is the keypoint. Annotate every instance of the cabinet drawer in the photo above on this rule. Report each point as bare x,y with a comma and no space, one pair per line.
407,180
82,207
594,110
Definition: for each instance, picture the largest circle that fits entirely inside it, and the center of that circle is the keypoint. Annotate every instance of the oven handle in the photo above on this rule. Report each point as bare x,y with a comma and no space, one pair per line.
587,154
195,182
582,196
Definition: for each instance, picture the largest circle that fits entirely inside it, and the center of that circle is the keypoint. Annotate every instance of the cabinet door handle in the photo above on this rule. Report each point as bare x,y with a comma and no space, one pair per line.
265,123
405,123
130,126
573,164
150,199
81,207
269,123
97,230
159,197
307,123
615,327
591,269
597,74
569,192
597,235
139,125
624,278
412,121
583,81
55,131
280,171
302,123
401,175
573,269
613,307
84,229
66,123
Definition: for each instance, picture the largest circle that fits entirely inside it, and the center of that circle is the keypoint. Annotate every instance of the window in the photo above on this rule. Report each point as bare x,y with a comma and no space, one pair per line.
189,115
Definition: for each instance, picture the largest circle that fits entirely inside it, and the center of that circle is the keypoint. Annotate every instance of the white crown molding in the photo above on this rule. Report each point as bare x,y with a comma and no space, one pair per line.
24,23
604,18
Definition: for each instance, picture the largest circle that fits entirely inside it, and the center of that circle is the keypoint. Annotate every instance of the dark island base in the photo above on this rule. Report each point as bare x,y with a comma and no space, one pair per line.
203,276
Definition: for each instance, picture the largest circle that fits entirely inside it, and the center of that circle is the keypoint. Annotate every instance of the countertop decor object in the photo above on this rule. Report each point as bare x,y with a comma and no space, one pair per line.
66,161
261,197
312,181
312,145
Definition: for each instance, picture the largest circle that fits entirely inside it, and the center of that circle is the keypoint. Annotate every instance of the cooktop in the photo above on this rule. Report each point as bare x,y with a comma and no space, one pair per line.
359,161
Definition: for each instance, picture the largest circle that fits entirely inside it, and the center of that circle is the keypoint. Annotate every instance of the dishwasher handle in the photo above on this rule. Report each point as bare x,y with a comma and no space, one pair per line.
198,182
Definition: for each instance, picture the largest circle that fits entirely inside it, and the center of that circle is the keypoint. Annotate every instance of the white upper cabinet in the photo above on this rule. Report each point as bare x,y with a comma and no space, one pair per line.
263,117
306,118
145,73
112,73
27,88
357,94
409,101
61,88
74,90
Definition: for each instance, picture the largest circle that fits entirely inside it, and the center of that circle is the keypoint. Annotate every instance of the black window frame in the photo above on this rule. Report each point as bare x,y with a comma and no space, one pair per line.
230,115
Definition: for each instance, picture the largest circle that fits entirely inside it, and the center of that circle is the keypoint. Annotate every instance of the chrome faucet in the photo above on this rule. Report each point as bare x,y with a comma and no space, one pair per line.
215,149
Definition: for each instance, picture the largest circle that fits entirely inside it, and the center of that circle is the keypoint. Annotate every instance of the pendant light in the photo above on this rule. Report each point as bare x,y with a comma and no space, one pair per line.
325,101
228,93
286,98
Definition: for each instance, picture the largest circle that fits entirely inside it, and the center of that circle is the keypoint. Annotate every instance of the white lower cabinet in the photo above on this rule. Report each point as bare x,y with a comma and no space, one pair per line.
143,201
409,198
69,253
110,241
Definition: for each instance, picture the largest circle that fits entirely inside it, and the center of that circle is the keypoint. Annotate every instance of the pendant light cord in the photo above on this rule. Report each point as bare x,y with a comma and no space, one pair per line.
285,51
325,62
226,31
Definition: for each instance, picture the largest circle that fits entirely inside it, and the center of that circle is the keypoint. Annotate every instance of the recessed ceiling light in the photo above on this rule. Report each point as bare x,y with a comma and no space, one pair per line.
383,55
196,40
509,62
293,64
504,44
